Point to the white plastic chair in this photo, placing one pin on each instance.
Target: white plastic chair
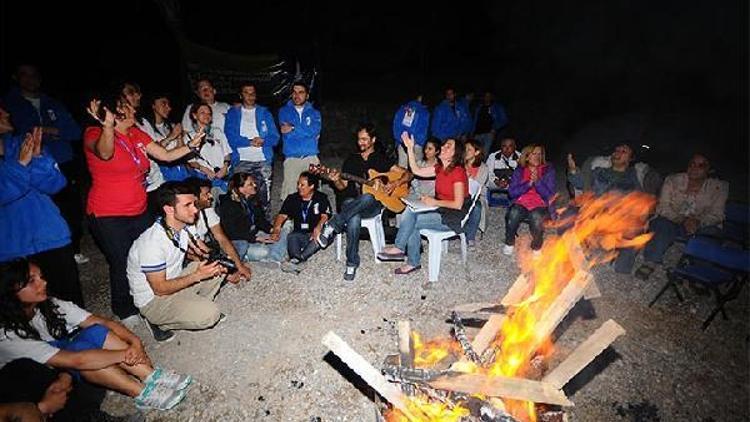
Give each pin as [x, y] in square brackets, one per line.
[374, 226]
[438, 239]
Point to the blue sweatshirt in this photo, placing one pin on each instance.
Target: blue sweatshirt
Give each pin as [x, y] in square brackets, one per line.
[499, 118]
[265, 125]
[29, 221]
[303, 140]
[449, 124]
[51, 113]
[416, 126]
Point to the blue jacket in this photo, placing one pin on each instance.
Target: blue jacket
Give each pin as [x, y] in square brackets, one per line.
[29, 221]
[266, 129]
[499, 118]
[419, 126]
[447, 124]
[53, 113]
[303, 140]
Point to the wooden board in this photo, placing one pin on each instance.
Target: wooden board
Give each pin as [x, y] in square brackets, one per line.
[370, 375]
[506, 387]
[584, 354]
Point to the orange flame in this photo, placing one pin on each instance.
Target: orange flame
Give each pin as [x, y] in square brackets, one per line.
[434, 411]
[600, 227]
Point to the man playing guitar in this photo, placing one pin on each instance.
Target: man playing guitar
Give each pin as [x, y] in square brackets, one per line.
[356, 205]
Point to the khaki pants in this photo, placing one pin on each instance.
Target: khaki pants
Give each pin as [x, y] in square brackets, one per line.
[192, 308]
[293, 167]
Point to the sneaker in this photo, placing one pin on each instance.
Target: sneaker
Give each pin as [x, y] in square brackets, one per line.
[158, 397]
[169, 379]
[81, 258]
[326, 235]
[536, 254]
[161, 336]
[290, 267]
[350, 273]
[131, 322]
[508, 250]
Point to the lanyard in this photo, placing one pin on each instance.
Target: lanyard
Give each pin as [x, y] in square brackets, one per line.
[133, 154]
[305, 210]
[250, 213]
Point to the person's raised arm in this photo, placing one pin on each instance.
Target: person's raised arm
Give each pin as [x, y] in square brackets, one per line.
[428, 171]
[104, 146]
[157, 151]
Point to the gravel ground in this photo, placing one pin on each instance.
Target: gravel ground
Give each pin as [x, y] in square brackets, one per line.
[266, 361]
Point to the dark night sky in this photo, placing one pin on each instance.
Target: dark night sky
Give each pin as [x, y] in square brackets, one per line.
[591, 59]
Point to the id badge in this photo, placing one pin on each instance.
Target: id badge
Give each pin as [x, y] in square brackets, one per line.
[408, 118]
[304, 226]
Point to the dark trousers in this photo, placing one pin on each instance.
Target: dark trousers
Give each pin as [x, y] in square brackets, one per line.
[665, 233]
[300, 246]
[115, 236]
[61, 272]
[25, 380]
[517, 214]
[69, 201]
[353, 210]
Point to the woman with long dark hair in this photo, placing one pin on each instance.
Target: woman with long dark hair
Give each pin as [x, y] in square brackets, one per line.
[59, 334]
[451, 199]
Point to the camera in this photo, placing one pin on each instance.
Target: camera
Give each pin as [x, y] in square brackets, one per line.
[217, 255]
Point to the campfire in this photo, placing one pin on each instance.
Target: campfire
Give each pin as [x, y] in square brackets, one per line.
[501, 374]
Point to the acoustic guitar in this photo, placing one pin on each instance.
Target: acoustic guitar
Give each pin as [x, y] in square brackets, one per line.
[392, 201]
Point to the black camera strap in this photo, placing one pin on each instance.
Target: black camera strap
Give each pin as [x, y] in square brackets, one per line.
[173, 237]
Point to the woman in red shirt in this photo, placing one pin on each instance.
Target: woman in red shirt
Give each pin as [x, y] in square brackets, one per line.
[451, 198]
[116, 207]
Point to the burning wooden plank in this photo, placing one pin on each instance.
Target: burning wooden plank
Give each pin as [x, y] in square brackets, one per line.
[370, 375]
[584, 354]
[505, 387]
[405, 344]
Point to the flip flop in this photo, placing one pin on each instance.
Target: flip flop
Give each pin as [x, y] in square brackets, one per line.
[399, 271]
[391, 257]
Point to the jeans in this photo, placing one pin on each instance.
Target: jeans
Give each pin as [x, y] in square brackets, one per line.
[472, 224]
[665, 232]
[263, 251]
[353, 210]
[300, 246]
[486, 140]
[115, 236]
[261, 172]
[408, 238]
[516, 214]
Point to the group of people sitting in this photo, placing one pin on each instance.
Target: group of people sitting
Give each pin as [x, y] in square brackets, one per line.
[180, 209]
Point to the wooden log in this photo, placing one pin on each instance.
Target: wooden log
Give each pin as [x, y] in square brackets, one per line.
[584, 354]
[405, 344]
[506, 387]
[370, 375]
[520, 289]
[592, 292]
[517, 292]
[479, 307]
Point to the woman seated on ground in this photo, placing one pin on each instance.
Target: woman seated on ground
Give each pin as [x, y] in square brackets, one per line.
[532, 188]
[62, 335]
[245, 223]
[478, 171]
[426, 185]
[451, 198]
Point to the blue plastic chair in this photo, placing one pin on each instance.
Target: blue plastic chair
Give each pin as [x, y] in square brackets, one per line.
[497, 197]
[736, 218]
[720, 269]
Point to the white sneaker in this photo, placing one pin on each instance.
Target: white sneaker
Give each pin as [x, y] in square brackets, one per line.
[159, 397]
[169, 379]
[508, 250]
[131, 322]
[536, 254]
[81, 258]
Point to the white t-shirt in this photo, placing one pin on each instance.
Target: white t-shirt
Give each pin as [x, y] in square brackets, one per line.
[13, 347]
[154, 178]
[200, 224]
[212, 155]
[218, 113]
[249, 129]
[153, 252]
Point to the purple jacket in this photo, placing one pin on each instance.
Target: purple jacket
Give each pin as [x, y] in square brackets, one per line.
[545, 187]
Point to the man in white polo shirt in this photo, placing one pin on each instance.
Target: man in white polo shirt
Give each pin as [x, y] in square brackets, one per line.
[168, 296]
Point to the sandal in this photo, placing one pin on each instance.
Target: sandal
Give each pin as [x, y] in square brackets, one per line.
[401, 271]
[391, 257]
[644, 272]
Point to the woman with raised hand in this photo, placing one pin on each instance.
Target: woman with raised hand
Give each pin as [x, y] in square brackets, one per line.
[59, 334]
[451, 199]
[116, 154]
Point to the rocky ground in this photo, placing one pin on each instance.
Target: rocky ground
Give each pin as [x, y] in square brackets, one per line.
[266, 361]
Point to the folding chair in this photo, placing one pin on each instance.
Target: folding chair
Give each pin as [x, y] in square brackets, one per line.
[438, 239]
[497, 197]
[736, 219]
[713, 266]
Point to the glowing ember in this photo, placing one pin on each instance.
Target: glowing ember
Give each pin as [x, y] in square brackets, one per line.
[601, 226]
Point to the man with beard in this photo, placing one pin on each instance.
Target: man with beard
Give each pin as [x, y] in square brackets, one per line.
[355, 205]
[167, 295]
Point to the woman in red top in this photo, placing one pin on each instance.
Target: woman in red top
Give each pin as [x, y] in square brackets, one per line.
[116, 208]
[451, 198]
